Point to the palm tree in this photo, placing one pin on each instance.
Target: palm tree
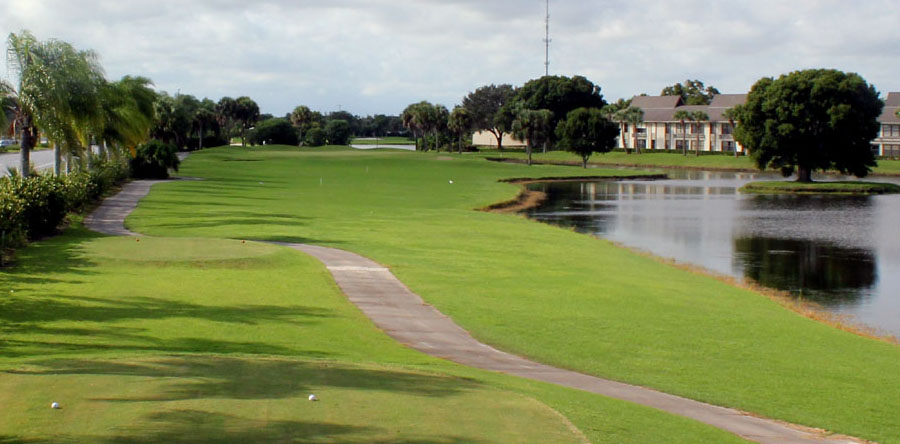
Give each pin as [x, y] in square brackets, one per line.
[129, 114]
[634, 116]
[683, 116]
[731, 115]
[301, 116]
[460, 122]
[532, 126]
[699, 117]
[40, 100]
[413, 118]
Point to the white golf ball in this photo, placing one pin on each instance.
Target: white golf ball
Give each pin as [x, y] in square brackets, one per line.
[451, 181]
[54, 405]
[313, 398]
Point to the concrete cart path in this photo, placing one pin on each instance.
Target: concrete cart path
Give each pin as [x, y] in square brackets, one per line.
[404, 316]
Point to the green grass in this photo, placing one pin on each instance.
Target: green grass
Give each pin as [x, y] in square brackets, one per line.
[392, 140]
[145, 340]
[540, 291]
[664, 160]
[820, 187]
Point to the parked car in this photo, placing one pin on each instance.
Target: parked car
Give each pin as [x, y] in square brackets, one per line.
[8, 142]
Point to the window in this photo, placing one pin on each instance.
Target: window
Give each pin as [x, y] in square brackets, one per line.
[641, 130]
[727, 128]
[679, 144]
[890, 130]
[728, 146]
[695, 128]
[642, 144]
[891, 151]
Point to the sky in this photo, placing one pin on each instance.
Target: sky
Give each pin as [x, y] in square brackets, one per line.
[378, 56]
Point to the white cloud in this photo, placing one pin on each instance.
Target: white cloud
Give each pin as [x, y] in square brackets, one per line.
[377, 56]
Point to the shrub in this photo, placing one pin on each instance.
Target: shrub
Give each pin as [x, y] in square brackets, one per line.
[12, 212]
[274, 131]
[153, 160]
[337, 132]
[44, 199]
[315, 137]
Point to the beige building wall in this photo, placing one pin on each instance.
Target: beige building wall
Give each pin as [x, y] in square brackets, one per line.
[485, 138]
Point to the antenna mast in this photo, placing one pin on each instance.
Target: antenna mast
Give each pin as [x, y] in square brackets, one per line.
[547, 41]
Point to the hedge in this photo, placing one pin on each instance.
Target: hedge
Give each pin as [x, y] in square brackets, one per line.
[34, 207]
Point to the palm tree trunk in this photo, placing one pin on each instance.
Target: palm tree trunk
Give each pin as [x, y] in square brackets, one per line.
[57, 159]
[528, 149]
[25, 148]
[200, 137]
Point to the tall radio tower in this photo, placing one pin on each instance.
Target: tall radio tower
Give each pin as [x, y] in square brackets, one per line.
[547, 41]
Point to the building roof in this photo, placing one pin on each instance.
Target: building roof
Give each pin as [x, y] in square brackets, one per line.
[893, 99]
[727, 100]
[663, 108]
[655, 102]
[891, 105]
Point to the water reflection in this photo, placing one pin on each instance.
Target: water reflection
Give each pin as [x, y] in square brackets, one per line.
[842, 251]
[817, 270]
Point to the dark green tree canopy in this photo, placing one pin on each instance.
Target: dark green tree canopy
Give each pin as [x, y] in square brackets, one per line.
[586, 131]
[274, 131]
[486, 108]
[559, 95]
[337, 131]
[812, 119]
[692, 92]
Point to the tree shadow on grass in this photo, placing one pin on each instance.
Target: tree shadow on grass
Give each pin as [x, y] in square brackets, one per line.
[204, 377]
[42, 261]
[51, 308]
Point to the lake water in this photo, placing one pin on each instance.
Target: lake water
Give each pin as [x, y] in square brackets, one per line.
[840, 251]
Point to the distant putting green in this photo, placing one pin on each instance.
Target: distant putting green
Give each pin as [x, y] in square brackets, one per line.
[787, 187]
[392, 140]
[544, 292]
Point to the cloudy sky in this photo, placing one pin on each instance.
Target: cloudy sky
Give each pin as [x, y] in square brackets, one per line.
[377, 56]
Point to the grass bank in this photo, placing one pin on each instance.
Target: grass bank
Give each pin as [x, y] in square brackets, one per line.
[177, 340]
[791, 187]
[537, 290]
[720, 162]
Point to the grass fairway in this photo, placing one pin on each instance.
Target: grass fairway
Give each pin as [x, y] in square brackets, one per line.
[779, 187]
[537, 290]
[392, 140]
[189, 340]
[888, 167]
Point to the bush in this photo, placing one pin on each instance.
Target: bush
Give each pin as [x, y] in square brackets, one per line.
[44, 199]
[274, 131]
[315, 137]
[337, 132]
[34, 207]
[153, 160]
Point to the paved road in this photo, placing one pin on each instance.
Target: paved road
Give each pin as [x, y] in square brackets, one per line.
[41, 160]
[404, 316]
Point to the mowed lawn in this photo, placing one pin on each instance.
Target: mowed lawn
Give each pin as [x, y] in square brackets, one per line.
[537, 290]
[663, 160]
[199, 340]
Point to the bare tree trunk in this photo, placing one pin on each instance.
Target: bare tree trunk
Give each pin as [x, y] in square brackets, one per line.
[200, 137]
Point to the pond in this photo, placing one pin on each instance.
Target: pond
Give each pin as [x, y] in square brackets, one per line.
[840, 251]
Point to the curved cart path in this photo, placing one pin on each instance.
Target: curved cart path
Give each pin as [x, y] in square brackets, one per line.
[404, 316]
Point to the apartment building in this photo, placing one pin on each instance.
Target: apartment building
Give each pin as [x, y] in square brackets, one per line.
[661, 131]
[887, 143]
